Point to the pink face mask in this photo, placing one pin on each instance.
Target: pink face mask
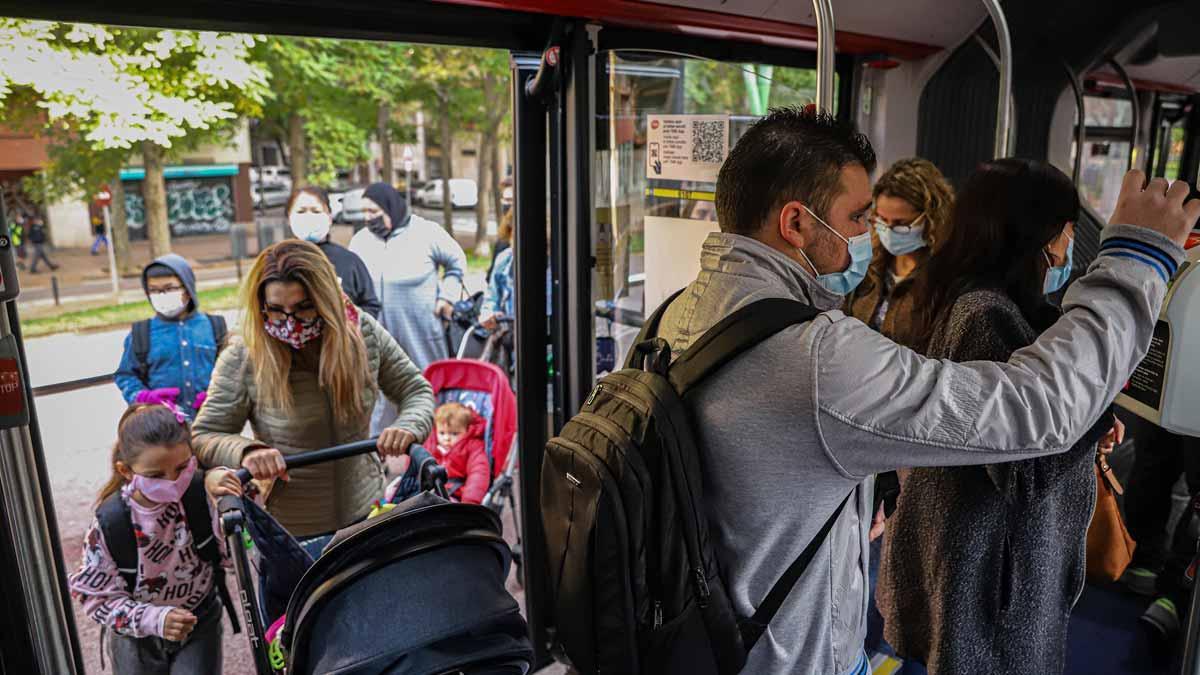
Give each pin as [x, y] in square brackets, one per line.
[162, 490]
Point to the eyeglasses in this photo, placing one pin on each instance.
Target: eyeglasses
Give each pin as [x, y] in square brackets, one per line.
[302, 315]
[877, 221]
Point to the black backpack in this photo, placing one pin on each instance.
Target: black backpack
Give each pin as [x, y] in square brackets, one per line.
[635, 583]
[140, 343]
[117, 527]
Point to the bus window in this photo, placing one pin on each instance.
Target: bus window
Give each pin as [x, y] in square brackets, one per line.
[649, 228]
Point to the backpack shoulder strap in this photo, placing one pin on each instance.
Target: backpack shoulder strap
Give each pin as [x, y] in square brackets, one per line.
[219, 330]
[199, 522]
[116, 524]
[753, 628]
[734, 335]
[140, 342]
[650, 327]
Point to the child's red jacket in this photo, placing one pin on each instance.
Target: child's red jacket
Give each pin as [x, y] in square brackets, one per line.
[467, 463]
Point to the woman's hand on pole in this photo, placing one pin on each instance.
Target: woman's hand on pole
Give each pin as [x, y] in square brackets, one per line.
[444, 309]
[394, 442]
[265, 464]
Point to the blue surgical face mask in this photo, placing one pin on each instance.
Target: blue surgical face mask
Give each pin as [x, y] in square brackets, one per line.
[900, 242]
[844, 282]
[1056, 277]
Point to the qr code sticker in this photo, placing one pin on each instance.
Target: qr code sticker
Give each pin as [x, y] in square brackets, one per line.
[708, 141]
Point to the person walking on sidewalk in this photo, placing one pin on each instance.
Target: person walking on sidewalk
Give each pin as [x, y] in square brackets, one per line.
[16, 232]
[37, 236]
[101, 237]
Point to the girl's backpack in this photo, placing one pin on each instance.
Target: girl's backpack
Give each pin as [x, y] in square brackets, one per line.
[116, 524]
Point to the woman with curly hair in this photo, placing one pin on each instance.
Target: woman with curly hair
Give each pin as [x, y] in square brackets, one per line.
[912, 208]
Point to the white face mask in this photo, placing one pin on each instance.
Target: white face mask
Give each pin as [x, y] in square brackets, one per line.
[312, 227]
[169, 305]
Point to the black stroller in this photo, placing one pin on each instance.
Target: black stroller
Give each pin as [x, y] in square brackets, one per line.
[418, 590]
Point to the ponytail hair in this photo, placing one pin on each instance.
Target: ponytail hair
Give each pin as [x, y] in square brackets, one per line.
[142, 426]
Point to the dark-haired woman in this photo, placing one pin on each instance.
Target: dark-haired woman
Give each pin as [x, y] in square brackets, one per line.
[310, 219]
[982, 565]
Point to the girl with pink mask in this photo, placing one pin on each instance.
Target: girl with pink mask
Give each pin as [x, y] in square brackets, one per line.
[162, 603]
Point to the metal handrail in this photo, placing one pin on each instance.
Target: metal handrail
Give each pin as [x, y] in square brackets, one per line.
[73, 385]
[1003, 105]
[1137, 113]
[1080, 128]
[823, 13]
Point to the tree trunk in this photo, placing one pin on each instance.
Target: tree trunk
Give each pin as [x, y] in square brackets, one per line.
[297, 151]
[447, 165]
[481, 205]
[154, 193]
[498, 169]
[120, 229]
[385, 143]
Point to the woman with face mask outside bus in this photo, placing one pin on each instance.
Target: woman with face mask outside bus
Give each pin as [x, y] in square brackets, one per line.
[306, 374]
[418, 272]
[310, 220]
[982, 565]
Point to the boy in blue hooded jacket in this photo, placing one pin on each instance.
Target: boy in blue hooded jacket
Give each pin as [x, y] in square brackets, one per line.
[169, 357]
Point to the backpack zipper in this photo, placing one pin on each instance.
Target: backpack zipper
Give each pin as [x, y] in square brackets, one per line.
[658, 614]
[701, 586]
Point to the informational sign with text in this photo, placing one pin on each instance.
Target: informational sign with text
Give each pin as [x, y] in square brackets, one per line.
[686, 147]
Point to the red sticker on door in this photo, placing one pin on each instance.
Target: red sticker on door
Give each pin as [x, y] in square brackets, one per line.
[12, 396]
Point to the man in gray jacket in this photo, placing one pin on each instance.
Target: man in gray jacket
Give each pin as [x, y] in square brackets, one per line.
[805, 418]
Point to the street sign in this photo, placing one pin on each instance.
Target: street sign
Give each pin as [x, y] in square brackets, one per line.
[104, 197]
[408, 153]
[408, 165]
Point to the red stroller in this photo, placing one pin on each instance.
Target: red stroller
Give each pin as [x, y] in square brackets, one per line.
[484, 387]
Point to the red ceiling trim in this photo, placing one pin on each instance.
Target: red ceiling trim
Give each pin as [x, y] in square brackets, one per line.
[636, 14]
[1141, 85]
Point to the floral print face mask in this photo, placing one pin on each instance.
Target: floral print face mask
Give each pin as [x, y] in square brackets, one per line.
[294, 332]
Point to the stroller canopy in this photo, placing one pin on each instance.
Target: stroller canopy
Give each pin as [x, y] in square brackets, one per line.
[419, 590]
[484, 388]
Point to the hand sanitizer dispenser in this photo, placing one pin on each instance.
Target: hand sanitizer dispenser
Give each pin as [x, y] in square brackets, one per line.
[1165, 387]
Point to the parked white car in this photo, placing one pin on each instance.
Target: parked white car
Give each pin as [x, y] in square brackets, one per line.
[464, 194]
[272, 195]
[347, 207]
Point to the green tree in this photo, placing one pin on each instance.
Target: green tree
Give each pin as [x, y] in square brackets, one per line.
[382, 74]
[445, 78]
[325, 124]
[116, 91]
[489, 75]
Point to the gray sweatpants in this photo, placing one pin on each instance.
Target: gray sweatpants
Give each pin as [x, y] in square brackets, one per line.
[200, 654]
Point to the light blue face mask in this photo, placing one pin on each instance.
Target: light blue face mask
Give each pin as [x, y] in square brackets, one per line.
[901, 243]
[1056, 277]
[844, 282]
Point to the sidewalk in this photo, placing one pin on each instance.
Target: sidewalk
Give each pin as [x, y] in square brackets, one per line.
[83, 277]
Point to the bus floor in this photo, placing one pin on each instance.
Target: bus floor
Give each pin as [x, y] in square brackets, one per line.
[1104, 638]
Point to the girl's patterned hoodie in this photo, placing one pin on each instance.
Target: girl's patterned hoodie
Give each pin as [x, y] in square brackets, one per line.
[170, 572]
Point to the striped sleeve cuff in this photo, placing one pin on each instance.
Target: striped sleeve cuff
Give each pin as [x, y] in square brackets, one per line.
[1139, 248]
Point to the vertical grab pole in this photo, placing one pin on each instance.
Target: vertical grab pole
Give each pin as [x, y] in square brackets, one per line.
[823, 13]
[1080, 128]
[1003, 105]
[1137, 109]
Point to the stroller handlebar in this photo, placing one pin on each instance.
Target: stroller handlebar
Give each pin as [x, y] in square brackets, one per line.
[320, 456]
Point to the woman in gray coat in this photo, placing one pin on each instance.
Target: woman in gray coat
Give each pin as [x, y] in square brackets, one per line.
[982, 565]
[417, 268]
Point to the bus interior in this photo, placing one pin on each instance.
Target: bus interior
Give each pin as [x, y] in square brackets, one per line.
[1094, 87]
